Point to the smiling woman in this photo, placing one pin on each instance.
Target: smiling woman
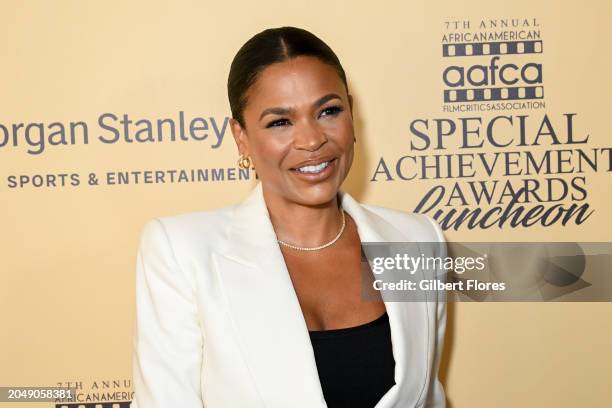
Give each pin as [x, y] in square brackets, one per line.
[259, 304]
[307, 120]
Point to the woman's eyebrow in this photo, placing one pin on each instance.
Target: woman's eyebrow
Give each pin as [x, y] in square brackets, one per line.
[285, 111]
[326, 98]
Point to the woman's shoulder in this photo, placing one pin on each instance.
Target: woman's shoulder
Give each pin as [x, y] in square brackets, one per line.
[200, 228]
[419, 224]
[209, 218]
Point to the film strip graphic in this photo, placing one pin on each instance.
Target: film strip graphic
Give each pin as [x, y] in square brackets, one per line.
[118, 404]
[493, 94]
[492, 48]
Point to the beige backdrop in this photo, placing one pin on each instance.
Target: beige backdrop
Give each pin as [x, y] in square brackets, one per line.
[68, 253]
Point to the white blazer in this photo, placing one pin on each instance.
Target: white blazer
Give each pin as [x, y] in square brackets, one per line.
[218, 323]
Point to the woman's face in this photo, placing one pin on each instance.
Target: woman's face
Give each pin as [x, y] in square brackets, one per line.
[298, 130]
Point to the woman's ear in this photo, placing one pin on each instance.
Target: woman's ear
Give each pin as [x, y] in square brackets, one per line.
[240, 137]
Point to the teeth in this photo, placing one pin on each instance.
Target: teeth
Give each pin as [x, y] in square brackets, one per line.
[313, 169]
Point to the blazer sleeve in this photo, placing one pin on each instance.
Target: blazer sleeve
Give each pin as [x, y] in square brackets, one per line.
[436, 397]
[167, 339]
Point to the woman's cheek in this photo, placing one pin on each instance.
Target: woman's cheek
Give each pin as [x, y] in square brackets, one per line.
[273, 151]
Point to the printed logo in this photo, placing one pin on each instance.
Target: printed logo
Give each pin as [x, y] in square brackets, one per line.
[499, 61]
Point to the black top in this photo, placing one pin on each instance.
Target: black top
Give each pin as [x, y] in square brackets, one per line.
[355, 364]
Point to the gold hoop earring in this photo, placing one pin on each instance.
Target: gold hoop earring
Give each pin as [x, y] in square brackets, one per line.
[244, 162]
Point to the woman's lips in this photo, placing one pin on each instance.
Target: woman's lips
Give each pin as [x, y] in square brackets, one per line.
[315, 172]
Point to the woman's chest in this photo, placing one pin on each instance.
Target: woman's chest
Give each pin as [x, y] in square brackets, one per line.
[330, 287]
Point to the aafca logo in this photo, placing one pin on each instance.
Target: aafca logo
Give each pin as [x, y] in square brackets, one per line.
[492, 71]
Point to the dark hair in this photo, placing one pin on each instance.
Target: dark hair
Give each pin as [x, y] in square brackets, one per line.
[266, 48]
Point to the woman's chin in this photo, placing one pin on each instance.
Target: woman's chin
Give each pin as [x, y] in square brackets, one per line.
[317, 195]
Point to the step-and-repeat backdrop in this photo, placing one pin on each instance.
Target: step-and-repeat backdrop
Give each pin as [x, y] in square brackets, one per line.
[491, 117]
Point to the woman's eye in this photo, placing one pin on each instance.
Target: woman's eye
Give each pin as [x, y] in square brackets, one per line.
[277, 123]
[332, 110]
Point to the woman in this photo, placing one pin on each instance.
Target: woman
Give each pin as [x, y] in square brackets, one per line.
[258, 304]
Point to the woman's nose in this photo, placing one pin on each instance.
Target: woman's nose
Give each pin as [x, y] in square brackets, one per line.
[309, 137]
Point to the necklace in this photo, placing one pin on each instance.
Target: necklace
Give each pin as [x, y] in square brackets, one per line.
[320, 246]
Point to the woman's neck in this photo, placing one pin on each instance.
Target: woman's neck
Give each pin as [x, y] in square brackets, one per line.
[304, 225]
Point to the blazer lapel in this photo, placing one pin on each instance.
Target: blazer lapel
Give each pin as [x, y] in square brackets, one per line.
[408, 320]
[269, 322]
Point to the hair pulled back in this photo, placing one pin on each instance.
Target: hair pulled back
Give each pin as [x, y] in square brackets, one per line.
[266, 48]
